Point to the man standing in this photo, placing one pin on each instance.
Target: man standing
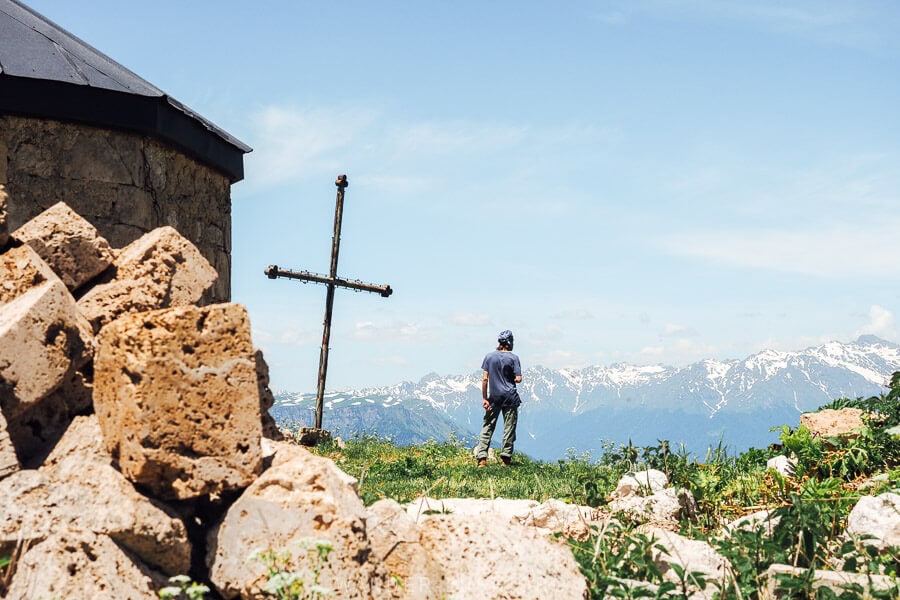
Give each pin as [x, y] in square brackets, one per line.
[501, 372]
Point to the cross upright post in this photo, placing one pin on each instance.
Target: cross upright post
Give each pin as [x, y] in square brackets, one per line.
[331, 281]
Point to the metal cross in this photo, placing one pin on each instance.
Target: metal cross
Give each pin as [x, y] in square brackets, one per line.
[332, 281]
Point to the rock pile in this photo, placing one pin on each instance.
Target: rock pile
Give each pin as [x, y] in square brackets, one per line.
[135, 444]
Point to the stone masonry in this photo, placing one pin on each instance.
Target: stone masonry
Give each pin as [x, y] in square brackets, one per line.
[123, 183]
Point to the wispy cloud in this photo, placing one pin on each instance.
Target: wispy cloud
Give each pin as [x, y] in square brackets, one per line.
[838, 251]
[294, 143]
[859, 25]
[575, 314]
[470, 319]
[393, 332]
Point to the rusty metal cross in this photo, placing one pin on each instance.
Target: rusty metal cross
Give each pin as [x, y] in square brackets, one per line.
[331, 281]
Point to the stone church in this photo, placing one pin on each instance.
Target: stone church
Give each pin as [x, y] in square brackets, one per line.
[78, 127]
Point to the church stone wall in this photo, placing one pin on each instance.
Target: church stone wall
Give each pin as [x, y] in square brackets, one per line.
[125, 184]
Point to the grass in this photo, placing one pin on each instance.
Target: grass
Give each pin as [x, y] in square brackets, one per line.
[448, 470]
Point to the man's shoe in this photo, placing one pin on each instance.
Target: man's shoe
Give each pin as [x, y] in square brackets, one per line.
[482, 462]
[505, 461]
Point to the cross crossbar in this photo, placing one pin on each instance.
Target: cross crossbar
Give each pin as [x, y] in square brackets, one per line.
[331, 281]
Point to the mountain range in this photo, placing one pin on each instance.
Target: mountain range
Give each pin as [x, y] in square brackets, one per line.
[579, 411]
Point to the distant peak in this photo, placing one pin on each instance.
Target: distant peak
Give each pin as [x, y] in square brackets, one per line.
[872, 340]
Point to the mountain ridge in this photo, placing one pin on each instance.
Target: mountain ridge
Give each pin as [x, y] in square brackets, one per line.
[689, 404]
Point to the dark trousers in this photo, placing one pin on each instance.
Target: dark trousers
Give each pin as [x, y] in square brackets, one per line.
[510, 417]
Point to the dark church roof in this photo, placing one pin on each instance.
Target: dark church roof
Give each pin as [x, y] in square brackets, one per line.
[45, 71]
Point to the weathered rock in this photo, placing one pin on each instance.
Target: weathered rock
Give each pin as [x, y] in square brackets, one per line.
[876, 520]
[764, 520]
[641, 483]
[68, 243]
[299, 497]
[43, 339]
[555, 516]
[83, 565]
[830, 423]
[784, 465]
[9, 461]
[663, 506]
[502, 509]
[837, 581]
[78, 489]
[177, 397]
[22, 270]
[699, 561]
[4, 217]
[160, 269]
[481, 556]
[395, 544]
[266, 399]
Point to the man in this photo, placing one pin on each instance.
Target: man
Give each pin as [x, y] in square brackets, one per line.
[501, 372]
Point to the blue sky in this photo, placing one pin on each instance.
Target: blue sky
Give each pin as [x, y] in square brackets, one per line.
[643, 181]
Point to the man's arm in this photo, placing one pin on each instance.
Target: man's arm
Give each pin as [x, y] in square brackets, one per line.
[484, 390]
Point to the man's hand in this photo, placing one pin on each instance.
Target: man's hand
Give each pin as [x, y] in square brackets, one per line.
[486, 404]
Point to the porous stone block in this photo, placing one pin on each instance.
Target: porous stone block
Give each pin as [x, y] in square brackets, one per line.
[299, 497]
[161, 269]
[81, 565]
[68, 243]
[266, 399]
[177, 395]
[78, 489]
[43, 338]
[830, 423]
[21, 270]
[4, 216]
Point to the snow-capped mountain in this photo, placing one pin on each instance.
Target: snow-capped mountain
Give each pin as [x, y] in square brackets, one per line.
[737, 401]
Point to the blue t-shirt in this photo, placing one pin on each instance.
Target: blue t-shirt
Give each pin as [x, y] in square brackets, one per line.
[502, 369]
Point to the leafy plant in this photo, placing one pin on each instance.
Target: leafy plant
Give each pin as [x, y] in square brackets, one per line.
[183, 587]
[288, 580]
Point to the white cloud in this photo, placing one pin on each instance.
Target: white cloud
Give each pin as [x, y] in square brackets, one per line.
[881, 323]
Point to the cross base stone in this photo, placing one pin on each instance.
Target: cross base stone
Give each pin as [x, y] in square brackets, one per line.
[311, 436]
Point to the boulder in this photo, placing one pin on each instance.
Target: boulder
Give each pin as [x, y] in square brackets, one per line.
[764, 520]
[43, 340]
[177, 396]
[502, 509]
[395, 544]
[22, 270]
[77, 489]
[301, 498]
[552, 516]
[4, 217]
[84, 564]
[830, 423]
[838, 582]
[663, 506]
[555, 516]
[68, 243]
[641, 483]
[699, 561]
[782, 464]
[160, 269]
[481, 556]
[876, 520]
